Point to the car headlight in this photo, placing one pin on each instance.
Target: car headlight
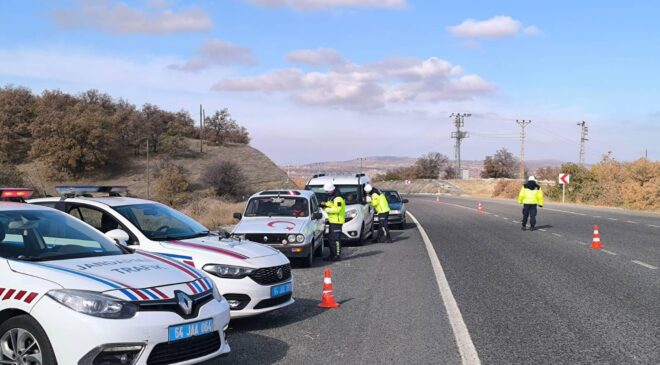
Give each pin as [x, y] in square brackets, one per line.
[240, 237]
[300, 238]
[227, 271]
[351, 213]
[94, 304]
[291, 238]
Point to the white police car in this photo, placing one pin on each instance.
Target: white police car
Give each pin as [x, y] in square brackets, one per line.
[288, 220]
[254, 278]
[70, 295]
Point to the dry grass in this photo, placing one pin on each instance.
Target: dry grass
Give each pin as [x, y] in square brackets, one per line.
[482, 187]
[507, 189]
[213, 213]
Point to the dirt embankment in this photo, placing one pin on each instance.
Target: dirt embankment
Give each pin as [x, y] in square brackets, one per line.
[260, 171]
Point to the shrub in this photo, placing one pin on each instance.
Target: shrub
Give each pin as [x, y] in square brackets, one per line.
[10, 176]
[507, 189]
[226, 178]
[171, 187]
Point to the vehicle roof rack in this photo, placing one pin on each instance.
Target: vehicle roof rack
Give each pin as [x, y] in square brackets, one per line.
[15, 194]
[71, 191]
[280, 192]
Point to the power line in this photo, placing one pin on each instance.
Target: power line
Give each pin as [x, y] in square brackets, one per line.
[522, 123]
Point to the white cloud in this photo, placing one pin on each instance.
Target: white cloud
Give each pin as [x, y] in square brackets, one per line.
[324, 4]
[217, 52]
[496, 27]
[371, 86]
[317, 57]
[120, 18]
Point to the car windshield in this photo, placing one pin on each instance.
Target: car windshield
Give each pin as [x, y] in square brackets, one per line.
[350, 193]
[392, 196]
[277, 206]
[160, 223]
[39, 235]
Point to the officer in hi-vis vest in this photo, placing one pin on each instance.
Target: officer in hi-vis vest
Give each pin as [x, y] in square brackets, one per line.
[335, 207]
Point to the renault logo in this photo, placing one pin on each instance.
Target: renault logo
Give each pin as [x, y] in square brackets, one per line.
[185, 302]
[280, 273]
[265, 238]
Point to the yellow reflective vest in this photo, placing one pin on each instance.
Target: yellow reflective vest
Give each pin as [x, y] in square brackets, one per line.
[336, 210]
[529, 196]
[379, 202]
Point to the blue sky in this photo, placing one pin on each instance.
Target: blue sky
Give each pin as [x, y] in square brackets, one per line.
[321, 80]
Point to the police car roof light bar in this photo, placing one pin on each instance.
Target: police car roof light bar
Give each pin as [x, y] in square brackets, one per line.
[79, 190]
[22, 193]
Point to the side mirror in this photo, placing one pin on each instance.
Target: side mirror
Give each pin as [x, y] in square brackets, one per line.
[238, 216]
[118, 235]
[405, 201]
[316, 216]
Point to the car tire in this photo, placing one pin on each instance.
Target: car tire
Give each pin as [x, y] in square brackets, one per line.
[362, 239]
[31, 332]
[318, 251]
[309, 260]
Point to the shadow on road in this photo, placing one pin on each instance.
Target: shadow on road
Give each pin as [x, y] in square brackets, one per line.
[299, 311]
[362, 254]
[253, 349]
[543, 227]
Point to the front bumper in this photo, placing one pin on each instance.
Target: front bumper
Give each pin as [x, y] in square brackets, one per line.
[253, 298]
[351, 230]
[74, 335]
[392, 219]
[294, 250]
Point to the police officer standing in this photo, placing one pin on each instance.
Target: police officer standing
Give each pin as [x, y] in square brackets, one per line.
[530, 197]
[382, 207]
[335, 207]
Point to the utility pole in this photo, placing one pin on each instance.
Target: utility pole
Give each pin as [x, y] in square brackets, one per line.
[361, 160]
[203, 122]
[148, 169]
[201, 129]
[522, 123]
[459, 135]
[584, 132]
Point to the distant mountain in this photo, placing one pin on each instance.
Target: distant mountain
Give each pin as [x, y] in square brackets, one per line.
[374, 165]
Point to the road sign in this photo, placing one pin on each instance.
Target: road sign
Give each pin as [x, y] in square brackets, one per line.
[564, 179]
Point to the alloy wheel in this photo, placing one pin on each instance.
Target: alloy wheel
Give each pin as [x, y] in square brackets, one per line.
[19, 347]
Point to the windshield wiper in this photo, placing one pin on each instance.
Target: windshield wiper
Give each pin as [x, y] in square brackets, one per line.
[31, 258]
[169, 238]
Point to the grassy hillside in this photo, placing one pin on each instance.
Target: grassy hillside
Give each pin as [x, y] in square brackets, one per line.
[260, 171]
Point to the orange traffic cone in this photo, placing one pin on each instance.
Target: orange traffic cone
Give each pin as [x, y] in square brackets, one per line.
[595, 244]
[437, 198]
[328, 298]
[480, 208]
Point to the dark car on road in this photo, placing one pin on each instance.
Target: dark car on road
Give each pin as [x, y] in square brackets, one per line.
[397, 208]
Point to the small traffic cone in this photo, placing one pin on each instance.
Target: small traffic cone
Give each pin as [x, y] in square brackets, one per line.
[480, 208]
[328, 298]
[595, 244]
[437, 198]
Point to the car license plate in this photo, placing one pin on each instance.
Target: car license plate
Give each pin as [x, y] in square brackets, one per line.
[327, 229]
[279, 290]
[188, 330]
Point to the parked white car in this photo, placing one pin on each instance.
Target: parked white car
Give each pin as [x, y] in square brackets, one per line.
[71, 295]
[254, 278]
[359, 213]
[288, 220]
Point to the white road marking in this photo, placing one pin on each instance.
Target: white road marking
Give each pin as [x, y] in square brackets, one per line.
[542, 229]
[564, 211]
[557, 234]
[631, 222]
[505, 218]
[609, 252]
[613, 219]
[653, 225]
[582, 243]
[645, 265]
[464, 342]
[496, 215]
[515, 221]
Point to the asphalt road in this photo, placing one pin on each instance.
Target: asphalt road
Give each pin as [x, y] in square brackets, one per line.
[390, 313]
[545, 297]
